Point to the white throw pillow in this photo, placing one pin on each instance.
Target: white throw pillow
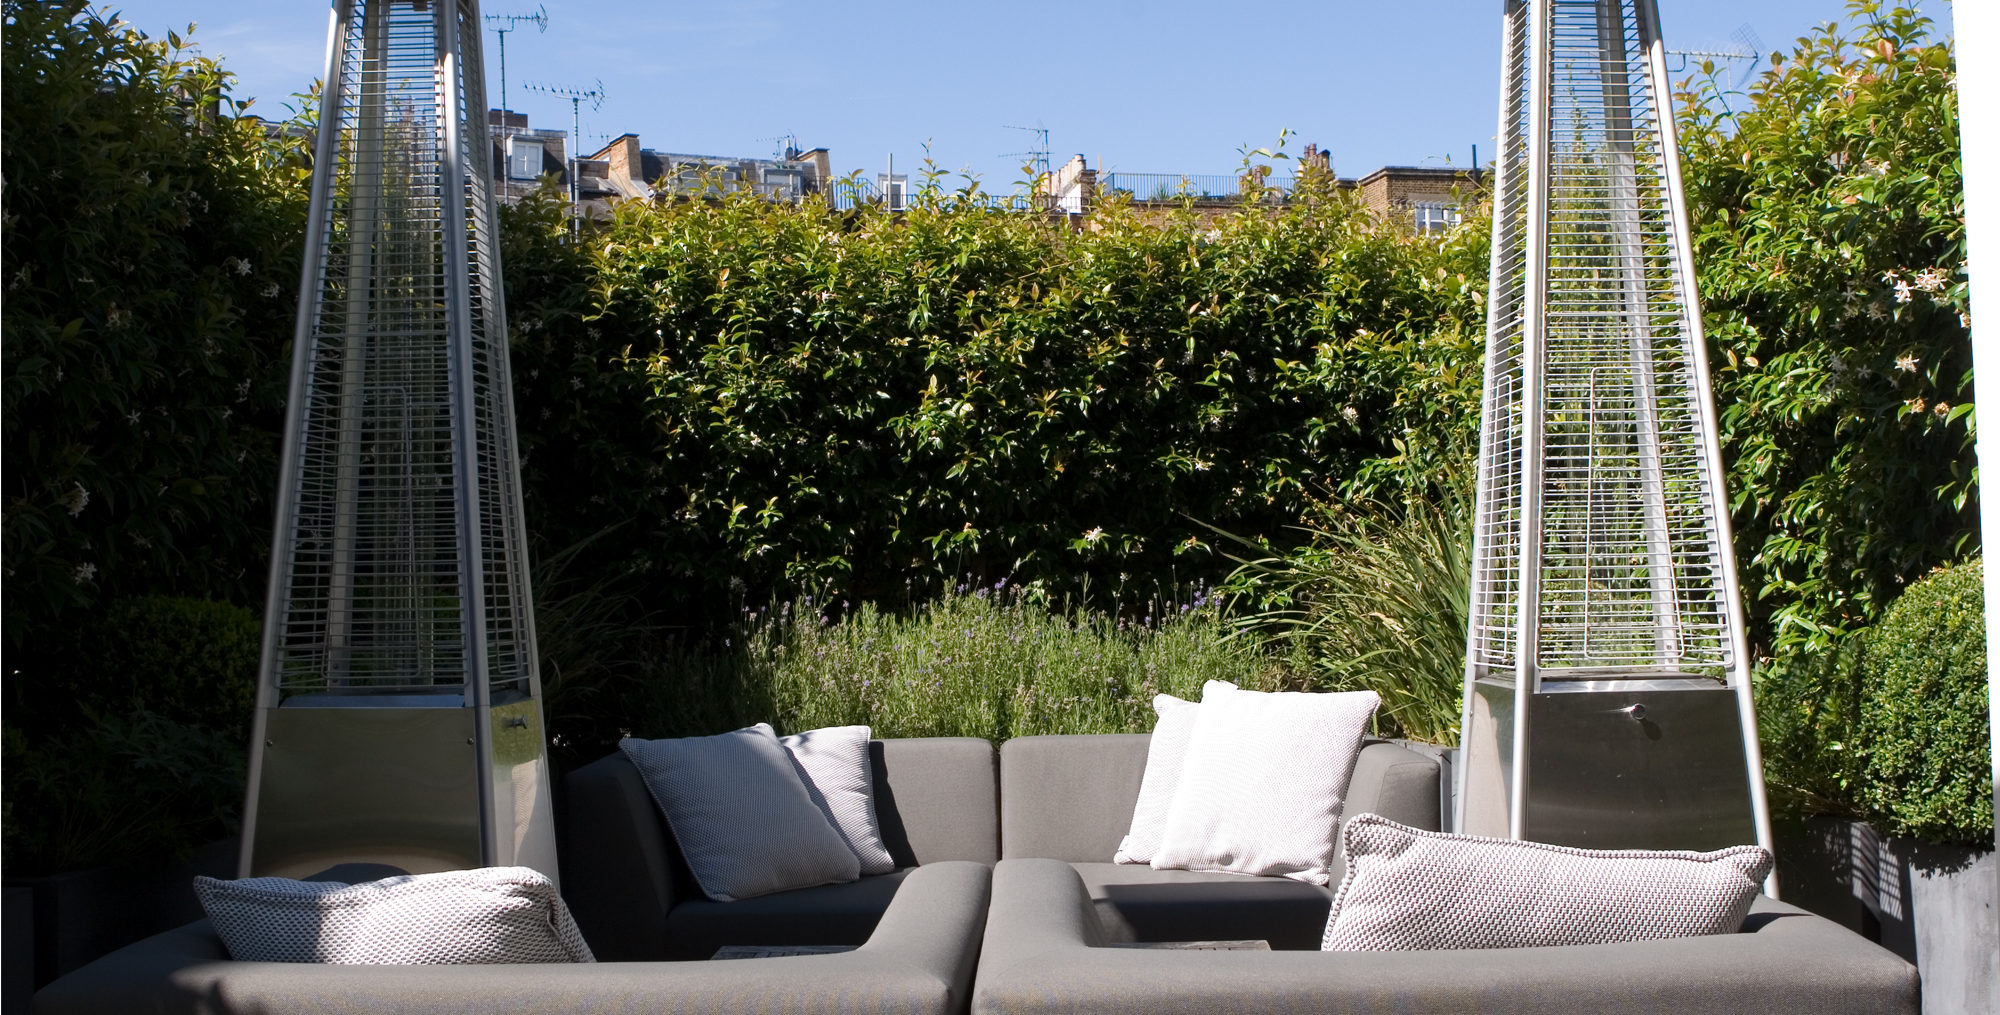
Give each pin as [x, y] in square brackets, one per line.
[1408, 889]
[1164, 755]
[1261, 787]
[494, 914]
[841, 781]
[741, 813]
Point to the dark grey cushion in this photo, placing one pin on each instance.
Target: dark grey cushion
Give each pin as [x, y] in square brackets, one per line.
[843, 914]
[1040, 955]
[1138, 903]
[920, 960]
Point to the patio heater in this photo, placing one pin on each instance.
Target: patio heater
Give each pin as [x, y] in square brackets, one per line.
[1607, 691]
[398, 717]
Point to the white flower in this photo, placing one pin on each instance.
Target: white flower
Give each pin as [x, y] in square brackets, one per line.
[1964, 321]
[237, 265]
[1930, 280]
[76, 500]
[270, 290]
[83, 573]
[1350, 414]
[1902, 291]
[1906, 363]
[1875, 312]
[1093, 535]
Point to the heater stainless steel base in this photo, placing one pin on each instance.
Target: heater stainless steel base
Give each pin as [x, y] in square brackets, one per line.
[1638, 769]
[1631, 764]
[405, 790]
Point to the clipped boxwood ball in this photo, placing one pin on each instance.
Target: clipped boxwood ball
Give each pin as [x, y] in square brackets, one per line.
[1924, 730]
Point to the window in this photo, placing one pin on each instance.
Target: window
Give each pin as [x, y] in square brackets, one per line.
[524, 158]
[1435, 216]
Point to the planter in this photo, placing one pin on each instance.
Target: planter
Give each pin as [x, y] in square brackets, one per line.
[59, 922]
[1935, 906]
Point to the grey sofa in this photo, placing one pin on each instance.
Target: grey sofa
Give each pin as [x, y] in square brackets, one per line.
[1027, 837]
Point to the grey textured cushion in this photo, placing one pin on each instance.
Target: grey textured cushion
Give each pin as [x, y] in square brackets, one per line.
[494, 914]
[834, 765]
[1163, 776]
[1261, 788]
[741, 813]
[1409, 890]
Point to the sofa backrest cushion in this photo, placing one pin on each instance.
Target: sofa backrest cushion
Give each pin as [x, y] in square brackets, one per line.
[937, 799]
[1071, 797]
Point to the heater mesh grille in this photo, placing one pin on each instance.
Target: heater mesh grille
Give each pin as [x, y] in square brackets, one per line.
[395, 548]
[1629, 577]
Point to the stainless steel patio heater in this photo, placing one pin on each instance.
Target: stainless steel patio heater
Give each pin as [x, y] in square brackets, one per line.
[1607, 694]
[398, 716]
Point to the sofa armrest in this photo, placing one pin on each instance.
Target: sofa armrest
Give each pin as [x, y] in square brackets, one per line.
[1039, 956]
[618, 861]
[1398, 784]
[920, 960]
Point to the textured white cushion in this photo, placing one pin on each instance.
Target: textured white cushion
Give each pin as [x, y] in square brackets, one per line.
[1164, 754]
[1261, 787]
[495, 914]
[741, 813]
[1407, 889]
[834, 764]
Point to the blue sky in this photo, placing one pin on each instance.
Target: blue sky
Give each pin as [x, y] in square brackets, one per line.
[1136, 86]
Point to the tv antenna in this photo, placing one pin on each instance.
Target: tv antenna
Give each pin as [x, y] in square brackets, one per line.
[577, 97]
[788, 143]
[1745, 48]
[1039, 155]
[540, 19]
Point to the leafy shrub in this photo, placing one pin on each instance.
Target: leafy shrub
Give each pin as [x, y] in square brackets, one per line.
[994, 662]
[188, 660]
[1830, 234]
[152, 243]
[1807, 699]
[1922, 731]
[137, 743]
[121, 786]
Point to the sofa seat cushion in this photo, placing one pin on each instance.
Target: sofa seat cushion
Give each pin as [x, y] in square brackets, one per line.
[1142, 904]
[842, 914]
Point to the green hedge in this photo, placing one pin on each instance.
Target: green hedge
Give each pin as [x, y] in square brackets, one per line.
[777, 397]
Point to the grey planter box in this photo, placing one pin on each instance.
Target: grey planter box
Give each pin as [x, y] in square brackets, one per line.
[1936, 906]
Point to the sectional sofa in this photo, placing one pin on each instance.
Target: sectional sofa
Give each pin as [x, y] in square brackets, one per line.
[1005, 900]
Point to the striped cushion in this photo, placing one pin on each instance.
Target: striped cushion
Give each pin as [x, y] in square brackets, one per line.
[1164, 754]
[494, 914]
[1407, 889]
[1261, 788]
[834, 764]
[741, 814]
